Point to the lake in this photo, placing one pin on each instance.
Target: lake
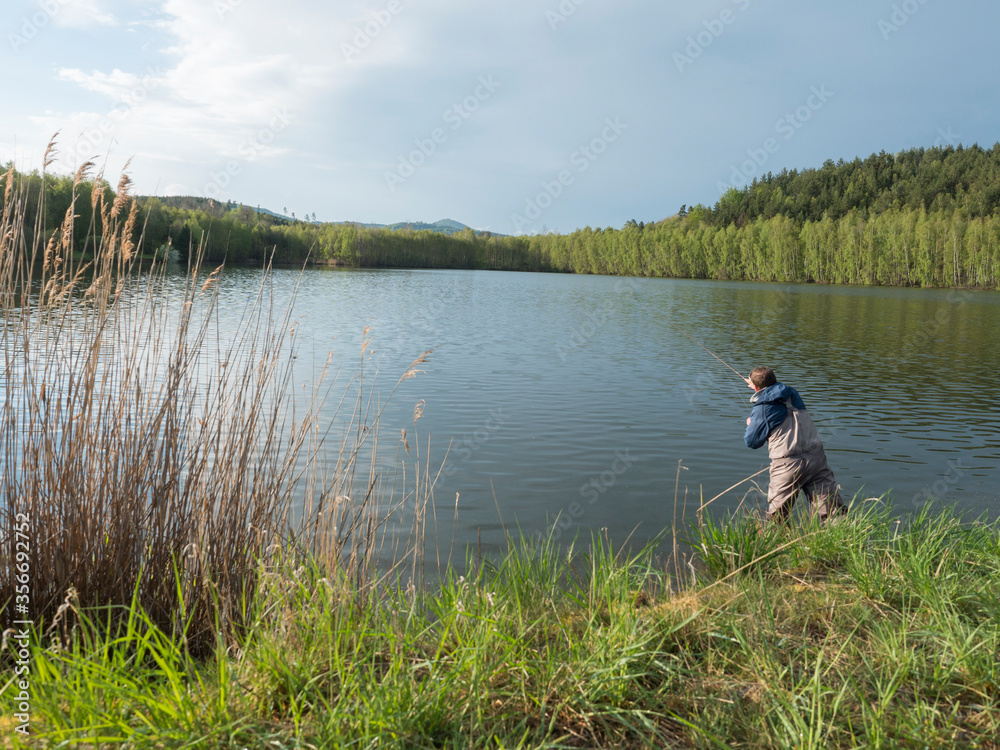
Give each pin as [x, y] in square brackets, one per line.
[579, 397]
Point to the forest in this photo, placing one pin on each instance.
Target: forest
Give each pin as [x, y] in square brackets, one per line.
[922, 217]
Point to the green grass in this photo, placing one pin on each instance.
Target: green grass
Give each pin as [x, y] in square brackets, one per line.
[868, 633]
[166, 620]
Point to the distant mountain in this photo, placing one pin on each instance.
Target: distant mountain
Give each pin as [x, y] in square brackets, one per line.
[275, 214]
[214, 207]
[208, 205]
[445, 226]
[450, 223]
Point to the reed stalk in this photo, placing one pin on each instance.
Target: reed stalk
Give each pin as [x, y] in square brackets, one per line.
[155, 463]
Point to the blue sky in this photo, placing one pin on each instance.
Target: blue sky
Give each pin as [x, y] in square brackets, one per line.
[516, 116]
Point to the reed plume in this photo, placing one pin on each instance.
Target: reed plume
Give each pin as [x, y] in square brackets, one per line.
[151, 461]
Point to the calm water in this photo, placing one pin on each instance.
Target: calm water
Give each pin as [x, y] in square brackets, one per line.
[578, 397]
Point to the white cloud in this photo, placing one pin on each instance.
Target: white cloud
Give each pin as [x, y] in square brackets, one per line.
[82, 14]
[236, 78]
[116, 85]
[234, 85]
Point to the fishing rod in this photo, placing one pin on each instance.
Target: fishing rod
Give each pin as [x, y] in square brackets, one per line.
[677, 327]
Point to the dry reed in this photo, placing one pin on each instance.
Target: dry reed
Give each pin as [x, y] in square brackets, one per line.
[155, 465]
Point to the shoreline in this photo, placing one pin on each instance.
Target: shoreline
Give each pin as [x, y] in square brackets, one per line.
[338, 263]
[864, 630]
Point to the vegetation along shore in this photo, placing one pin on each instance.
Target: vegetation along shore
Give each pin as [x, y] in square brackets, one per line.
[872, 633]
[189, 558]
[923, 217]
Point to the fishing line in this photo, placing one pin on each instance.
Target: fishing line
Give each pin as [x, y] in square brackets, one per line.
[681, 330]
[674, 325]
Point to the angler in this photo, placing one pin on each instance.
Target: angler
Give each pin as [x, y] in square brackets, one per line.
[798, 461]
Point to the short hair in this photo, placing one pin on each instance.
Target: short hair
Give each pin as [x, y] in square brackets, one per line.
[762, 377]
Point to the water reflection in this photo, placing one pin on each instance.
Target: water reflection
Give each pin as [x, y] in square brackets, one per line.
[540, 384]
[899, 381]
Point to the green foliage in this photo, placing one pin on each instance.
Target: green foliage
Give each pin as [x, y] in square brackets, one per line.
[737, 544]
[946, 179]
[924, 217]
[549, 647]
[898, 248]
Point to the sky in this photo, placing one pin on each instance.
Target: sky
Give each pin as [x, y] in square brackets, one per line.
[516, 117]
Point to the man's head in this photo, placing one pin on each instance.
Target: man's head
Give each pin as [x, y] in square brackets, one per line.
[762, 377]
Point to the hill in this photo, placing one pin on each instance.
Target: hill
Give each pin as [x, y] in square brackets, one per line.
[923, 217]
[945, 179]
[444, 226]
[218, 208]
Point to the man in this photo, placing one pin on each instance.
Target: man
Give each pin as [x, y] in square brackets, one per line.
[798, 461]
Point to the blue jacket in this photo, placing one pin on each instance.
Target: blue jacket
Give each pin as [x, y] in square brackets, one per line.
[769, 411]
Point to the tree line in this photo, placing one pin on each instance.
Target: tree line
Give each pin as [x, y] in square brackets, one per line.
[924, 217]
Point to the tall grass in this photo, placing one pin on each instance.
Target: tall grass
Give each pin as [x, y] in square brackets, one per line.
[156, 464]
[203, 565]
[553, 647]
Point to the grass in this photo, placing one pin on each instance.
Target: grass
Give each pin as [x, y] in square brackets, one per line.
[181, 601]
[867, 633]
[144, 459]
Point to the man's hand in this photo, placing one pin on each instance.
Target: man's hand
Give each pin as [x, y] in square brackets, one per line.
[748, 421]
[749, 383]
